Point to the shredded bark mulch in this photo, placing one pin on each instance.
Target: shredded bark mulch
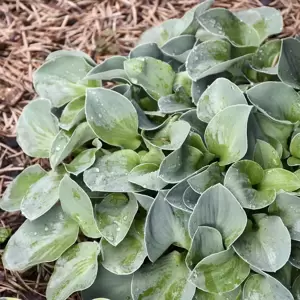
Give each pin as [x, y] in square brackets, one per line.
[30, 30]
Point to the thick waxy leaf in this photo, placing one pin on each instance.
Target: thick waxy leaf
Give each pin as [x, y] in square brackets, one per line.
[110, 172]
[110, 286]
[144, 200]
[129, 255]
[41, 196]
[296, 288]
[73, 113]
[294, 160]
[279, 179]
[265, 288]
[112, 117]
[65, 143]
[76, 203]
[215, 208]
[209, 177]
[265, 59]
[287, 207]
[206, 241]
[190, 198]
[170, 137]
[111, 69]
[288, 70]
[5, 233]
[241, 178]
[39, 241]
[233, 295]
[37, 128]
[266, 155]
[225, 24]
[60, 79]
[114, 215]
[220, 94]
[182, 80]
[165, 225]
[146, 175]
[265, 244]
[295, 254]
[220, 272]
[14, 193]
[75, 270]
[272, 105]
[196, 125]
[147, 49]
[155, 76]
[226, 134]
[166, 278]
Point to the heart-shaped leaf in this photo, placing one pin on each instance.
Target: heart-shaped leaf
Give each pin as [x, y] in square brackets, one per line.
[14, 193]
[129, 255]
[265, 244]
[167, 276]
[112, 117]
[215, 208]
[60, 53]
[110, 172]
[219, 95]
[75, 270]
[155, 76]
[39, 241]
[165, 225]
[76, 203]
[241, 179]
[226, 133]
[147, 49]
[37, 128]
[144, 200]
[114, 215]
[220, 272]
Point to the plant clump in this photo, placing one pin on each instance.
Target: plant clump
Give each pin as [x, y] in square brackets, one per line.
[183, 176]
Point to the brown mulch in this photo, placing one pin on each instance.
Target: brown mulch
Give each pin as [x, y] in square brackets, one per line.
[30, 30]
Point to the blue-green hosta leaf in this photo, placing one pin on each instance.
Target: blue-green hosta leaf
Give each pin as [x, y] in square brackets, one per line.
[265, 59]
[165, 279]
[60, 79]
[261, 287]
[14, 193]
[223, 23]
[110, 172]
[76, 203]
[295, 254]
[5, 233]
[279, 179]
[155, 76]
[179, 101]
[204, 180]
[190, 198]
[265, 244]
[73, 113]
[114, 215]
[233, 295]
[267, 97]
[146, 175]
[144, 200]
[112, 117]
[288, 67]
[60, 53]
[241, 179]
[75, 270]
[170, 136]
[39, 241]
[37, 128]
[65, 143]
[220, 272]
[294, 160]
[197, 126]
[153, 156]
[205, 241]
[215, 208]
[219, 95]
[165, 226]
[266, 155]
[183, 80]
[41, 196]
[111, 69]
[110, 286]
[266, 21]
[129, 255]
[287, 207]
[147, 49]
[226, 133]
[296, 288]
[179, 47]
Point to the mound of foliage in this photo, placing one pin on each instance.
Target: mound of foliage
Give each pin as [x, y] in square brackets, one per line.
[181, 180]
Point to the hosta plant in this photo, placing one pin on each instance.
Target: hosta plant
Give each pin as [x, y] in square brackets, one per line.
[178, 181]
